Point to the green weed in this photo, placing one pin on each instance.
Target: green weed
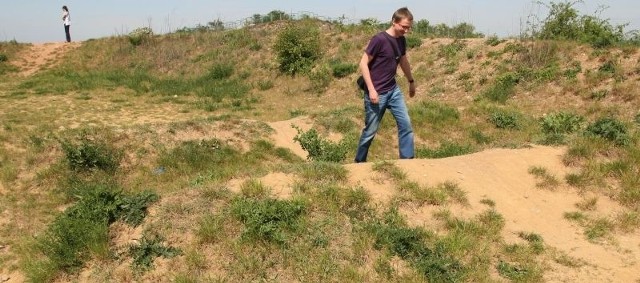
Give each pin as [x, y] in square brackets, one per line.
[88, 151]
[391, 169]
[410, 244]
[446, 149]
[610, 129]
[82, 230]
[268, 220]
[147, 249]
[320, 149]
[505, 120]
[546, 180]
[556, 125]
[341, 69]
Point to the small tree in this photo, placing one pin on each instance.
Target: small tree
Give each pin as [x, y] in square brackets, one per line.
[565, 23]
[298, 48]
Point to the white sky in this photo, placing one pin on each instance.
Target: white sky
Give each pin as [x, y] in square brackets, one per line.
[40, 21]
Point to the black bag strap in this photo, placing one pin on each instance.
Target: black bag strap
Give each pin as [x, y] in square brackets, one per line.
[395, 47]
[396, 50]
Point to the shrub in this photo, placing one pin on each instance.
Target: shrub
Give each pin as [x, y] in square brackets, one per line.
[515, 272]
[149, 248]
[3, 57]
[220, 71]
[556, 125]
[297, 48]
[265, 84]
[87, 153]
[275, 15]
[139, 35]
[410, 244]
[320, 149]
[565, 23]
[608, 67]
[239, 38]
[561, 123]
[439, 114]
[503, 87]
[82, 230]
[413, 42]
[493, 40]
[504, 120]
[341, 70]
[610, 129]
[268, 219]
[320, 79]
[201, 155]
[451, 50]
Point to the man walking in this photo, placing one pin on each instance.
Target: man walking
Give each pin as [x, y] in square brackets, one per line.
[385, 51]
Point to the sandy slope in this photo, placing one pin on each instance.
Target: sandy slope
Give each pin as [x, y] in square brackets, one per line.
[41, 56]
[501, 175]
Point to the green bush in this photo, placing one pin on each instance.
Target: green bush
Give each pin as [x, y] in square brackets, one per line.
[503, 88]
[82, 230]
[265, 84]
[341, 70]
[140, 35]
[608, 67]
[556, 125]
[410, 244]
[87, 152]
[449, 51]
[463, 30]
[320, 149]
[493, 40]
[573, 71]
[236, 39]
[297, 48]
[220, 71]
[610, 129]
[199, 156]
[147, 249]
[504, 120]
[268, 219]
[3, 58]
[436, 113]
[320, 79]
[413, 42]
[275, 15]
[565, 23]
[561, 123]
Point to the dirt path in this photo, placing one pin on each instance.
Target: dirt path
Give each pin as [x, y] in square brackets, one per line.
[42, 56]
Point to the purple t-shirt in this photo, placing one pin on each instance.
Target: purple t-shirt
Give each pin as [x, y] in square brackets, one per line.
[383, 66]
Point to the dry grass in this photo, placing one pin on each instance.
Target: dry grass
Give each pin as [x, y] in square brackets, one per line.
[147, 121]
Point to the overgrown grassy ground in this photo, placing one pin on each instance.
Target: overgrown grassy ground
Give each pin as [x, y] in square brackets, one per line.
[153, 130]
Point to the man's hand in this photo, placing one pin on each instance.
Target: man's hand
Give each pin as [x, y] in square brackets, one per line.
[412, 89]
[373, 97]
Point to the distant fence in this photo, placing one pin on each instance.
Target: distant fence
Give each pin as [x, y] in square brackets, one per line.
[461, 30]
[287, 16]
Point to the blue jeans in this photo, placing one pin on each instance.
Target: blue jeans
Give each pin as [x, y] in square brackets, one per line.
[394, 101]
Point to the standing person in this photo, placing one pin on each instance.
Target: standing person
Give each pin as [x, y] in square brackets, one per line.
[66, 20]
[385, 51]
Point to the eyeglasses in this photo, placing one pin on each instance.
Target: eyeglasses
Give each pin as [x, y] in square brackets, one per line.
[405, 27]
